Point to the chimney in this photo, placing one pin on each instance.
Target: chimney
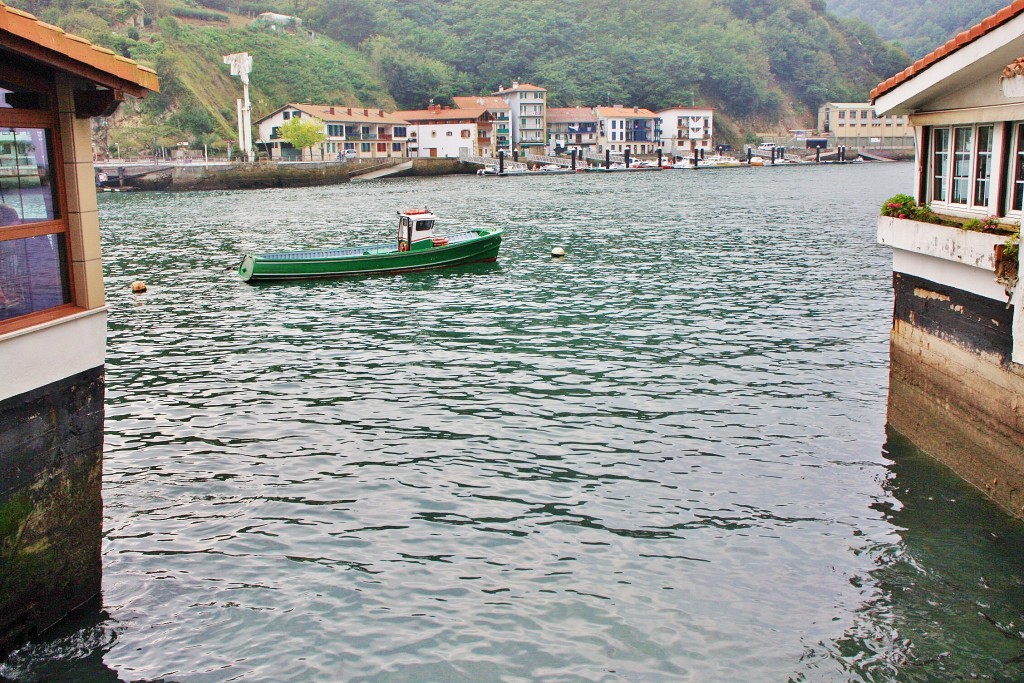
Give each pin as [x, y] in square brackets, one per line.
[501, 88]
[515, 84]
[350, 111]
[366, 112]
[380, 112]
[332, 110]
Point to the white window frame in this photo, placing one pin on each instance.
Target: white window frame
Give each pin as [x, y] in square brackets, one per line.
[968, 208]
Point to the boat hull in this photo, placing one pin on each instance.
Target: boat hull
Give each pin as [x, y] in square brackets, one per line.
[471, 247]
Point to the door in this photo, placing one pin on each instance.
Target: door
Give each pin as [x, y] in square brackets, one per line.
[433, 152]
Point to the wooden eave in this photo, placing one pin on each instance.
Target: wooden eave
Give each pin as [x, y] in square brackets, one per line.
[23, 33]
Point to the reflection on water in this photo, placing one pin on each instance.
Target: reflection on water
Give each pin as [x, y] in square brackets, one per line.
[661, 459]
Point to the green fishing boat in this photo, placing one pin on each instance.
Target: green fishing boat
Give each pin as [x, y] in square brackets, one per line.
[417, 248]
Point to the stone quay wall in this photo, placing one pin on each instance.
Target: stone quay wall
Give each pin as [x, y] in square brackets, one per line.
[51, 508]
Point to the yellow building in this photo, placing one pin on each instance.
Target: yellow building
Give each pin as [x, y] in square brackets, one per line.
[855, 124]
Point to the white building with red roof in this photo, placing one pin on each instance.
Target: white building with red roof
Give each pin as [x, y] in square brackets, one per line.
[446, 132]
[627, 128]
[351, 132]
[572, 128]
[501, 132]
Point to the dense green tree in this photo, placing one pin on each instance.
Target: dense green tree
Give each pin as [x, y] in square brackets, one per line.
[302, 133]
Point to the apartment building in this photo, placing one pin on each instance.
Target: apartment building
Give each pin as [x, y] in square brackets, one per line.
[443, 132]
[685, 130]
[619, 128]
[856, 124]
[528, 105]
[572, 128]
[501, 126]
[352, 132]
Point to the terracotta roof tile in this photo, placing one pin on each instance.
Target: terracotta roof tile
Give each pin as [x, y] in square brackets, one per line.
[960, 40]
[26, 27]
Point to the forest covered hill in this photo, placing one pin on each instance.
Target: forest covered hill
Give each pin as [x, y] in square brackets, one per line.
[764, 65]
[919, 26]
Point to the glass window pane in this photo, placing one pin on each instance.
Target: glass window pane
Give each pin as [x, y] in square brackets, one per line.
[983, 166]
[1018, 181]
[26, 176]
[940, 161]
[961, 164]
[32, 275]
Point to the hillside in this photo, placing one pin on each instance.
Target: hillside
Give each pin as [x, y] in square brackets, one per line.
[919, 26]
[764, 65]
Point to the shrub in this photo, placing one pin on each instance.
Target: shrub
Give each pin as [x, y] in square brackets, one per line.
[904, 206]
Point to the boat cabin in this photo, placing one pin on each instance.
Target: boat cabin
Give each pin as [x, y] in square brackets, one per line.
[416, 230]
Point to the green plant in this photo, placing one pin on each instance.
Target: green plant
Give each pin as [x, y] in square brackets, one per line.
[1012, 248]
[905, 206]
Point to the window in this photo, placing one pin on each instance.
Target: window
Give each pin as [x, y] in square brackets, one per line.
[1018, 167]
[364, 146]
[467, 133]
[399, 131]
[350, 145]
[448, 134]
[424, 225]
[961, 164]
[983, 166]
[842, 114]
[864, 114]
[287, 115]
[940, 161]
[335, 130]
[382, 147]
[396, 146]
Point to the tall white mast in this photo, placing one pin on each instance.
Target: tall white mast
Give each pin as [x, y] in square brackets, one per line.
[241, 65]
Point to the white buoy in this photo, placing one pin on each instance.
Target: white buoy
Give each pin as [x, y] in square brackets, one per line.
[558, 252]
[138, 287]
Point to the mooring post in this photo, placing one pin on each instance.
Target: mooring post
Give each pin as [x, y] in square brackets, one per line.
[626, 157]
[659, 157]
[607, 158]
[817, 155]
[501, 161]
[574, 160]
[750, 154]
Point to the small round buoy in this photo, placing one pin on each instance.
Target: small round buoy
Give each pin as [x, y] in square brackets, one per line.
[138, 286]
[558, 252]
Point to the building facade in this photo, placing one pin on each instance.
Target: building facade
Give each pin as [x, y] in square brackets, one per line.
[572, 128]
[441, 132]
[528, 109]
[857, 124]
[621, 128]
[501, 126]
[685, 130]
[957, 341]
[52, 318]
[351, 132]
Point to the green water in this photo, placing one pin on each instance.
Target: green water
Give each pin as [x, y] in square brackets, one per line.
[663, 458]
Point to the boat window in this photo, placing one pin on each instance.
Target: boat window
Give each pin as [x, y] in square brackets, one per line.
[424, 225]
[405, 221]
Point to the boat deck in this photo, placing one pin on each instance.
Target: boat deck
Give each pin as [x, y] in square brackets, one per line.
[370, 250]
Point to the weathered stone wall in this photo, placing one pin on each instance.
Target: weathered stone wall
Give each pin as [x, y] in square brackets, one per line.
[51, 509]
[953, 390]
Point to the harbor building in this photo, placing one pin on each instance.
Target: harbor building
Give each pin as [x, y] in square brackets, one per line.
[528, 105]
[620, 128]
[957, 340]
[858, 125]
[572, 128]
[443, 132]
[501, 128]
[351, 132]
[685, 130]
[53, 319]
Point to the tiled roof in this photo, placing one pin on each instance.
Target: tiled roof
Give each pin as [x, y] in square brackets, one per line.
[470, 113]
[570, 114]
[353, 114]
[625, 112]
[75, 48]
[962, 39]
[522, 86]
[488, 101]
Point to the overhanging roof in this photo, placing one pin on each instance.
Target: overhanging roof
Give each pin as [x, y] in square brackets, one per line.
[23, 33]
[988, 46]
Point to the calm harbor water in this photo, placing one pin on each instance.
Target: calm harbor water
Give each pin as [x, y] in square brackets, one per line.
[664, 458]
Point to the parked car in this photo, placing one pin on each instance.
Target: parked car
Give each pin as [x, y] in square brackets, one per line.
[346, 155]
